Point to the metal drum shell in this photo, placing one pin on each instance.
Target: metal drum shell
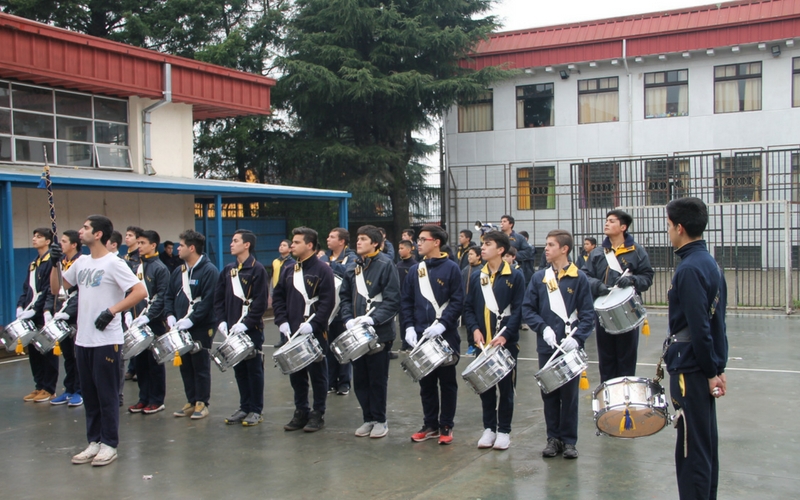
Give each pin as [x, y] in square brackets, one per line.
[620, 311]
[165, 346]
[643, 398]
[234, 350]
[55, 331]
[22, 330]
[354, 343]
[563, 369]
[297, 354]
[489, 368]
[135, 340]
[427, 357]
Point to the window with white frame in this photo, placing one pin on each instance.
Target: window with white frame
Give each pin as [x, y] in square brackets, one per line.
[476, 115]
[535, 105]
[75, 129]
[737, 87]
[666, 94]
[598, 100]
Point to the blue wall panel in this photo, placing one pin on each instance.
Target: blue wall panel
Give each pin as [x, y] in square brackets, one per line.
[269, 234]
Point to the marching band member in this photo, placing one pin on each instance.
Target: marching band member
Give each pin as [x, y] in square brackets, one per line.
[305, 291]
[191, 298]
[494, 303]
[404, 264]
[474, 264]
[525, 252]
[281, 262]
[71, 248]
[370, 294]
[133, 259]
[240, 301]
[341, 258]
[103, 280]
[617, 353]
[697, 349]
[36, 303]
[431, 305]
[558, 300]
[151, 375]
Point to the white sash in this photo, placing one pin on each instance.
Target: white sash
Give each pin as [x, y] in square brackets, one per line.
[361, 287]
[337, 284]
[32, 284]
[556, 299]
[491, 301]
[427, 291]
[148, 300]
[300, 286]
[613, 263]
[187, 291]
[236, 286]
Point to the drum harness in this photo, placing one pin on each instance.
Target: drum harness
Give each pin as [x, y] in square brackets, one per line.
[187, 291]
[238, 292]
[491, 304]
[148, 300]
[427, 291]
[300, 286]
[558, 307]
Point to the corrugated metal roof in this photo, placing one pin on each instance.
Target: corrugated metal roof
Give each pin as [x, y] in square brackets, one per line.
[693, 28]
[46, 55]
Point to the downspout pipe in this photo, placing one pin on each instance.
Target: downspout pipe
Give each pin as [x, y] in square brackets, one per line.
[146, 112]
[630, 95]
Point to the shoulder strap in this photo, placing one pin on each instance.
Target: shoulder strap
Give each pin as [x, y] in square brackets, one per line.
[427, 291]
[611, 259]
[300, 286]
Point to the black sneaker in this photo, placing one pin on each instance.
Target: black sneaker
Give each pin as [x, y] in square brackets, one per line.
[299, 420]
[570, 451]
[236, 418]
[331, 390]
[553, 448]
[343, 390]
[315, 422]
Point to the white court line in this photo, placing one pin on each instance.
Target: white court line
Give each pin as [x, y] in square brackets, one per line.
[728, 368]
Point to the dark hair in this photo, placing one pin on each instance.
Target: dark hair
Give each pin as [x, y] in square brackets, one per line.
[591, 239]
[383, 231]
[689, 212]
[169, 243]
[475, 249]
[309, 235]
[511, 251]
[624, 218]
[150, 236]
[436, 232]
[116, 238]
[406, 243]
[192, 238]
[410, 231]
[371, 232]
[510, 219]
[248, 237]
[102, 223]
[500, 240]
[44, 232]
[467, 233]
[563, 237]
[525, 235]
[342, 233]
[136, 230]
[74, 238]
[288, 242]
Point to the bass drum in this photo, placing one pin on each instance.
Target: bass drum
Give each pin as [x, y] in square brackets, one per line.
[629, 407]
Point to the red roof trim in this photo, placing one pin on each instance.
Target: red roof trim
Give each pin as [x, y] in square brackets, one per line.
[46, 55]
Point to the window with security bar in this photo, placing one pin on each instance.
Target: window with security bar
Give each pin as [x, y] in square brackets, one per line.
[599, 184]
[536, 188]
[476, 115]
[666, 94]
[737, 87]
[666, 179]
[535, 105]
[737, 178]
[738, 257]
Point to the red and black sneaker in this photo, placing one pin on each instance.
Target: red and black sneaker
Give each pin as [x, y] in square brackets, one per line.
[446, 435]
[150, 409]
[137, 408]
[424, 434]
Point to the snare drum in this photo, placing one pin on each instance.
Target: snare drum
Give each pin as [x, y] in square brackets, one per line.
[52, 332]
[489, 368]
[629, 407]
[297, 354]
[234, 350]
[561, 370]
[354, 343]
[135, 340]
[620, 311]
[174, 341]
[428, 356]
[21, 330]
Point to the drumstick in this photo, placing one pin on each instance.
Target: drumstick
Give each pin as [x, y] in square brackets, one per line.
[298, 329]
[423, 339]
[626, 273]
[559, 348]
[498, 334]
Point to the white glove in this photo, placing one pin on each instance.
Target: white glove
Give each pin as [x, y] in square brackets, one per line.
[61, 316]
[171, 320]
[47, 316]
[223, 328]
[238, 328]
[128, 319]
[411, 336]
[365, 319]
[569, 344]
[184, 324]
[304, 328]
[19, 311]
[549, 336]
[25, 314]
[141, 320]
[350, 324]
[434, 330]
[285, 329]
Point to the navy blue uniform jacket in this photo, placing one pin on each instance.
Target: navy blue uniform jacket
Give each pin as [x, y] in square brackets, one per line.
[630, 256]
[228, 307]
[202, 284]
[380, 276]
[536, 311]
[42, 267]
[445, 278]
[691, 304]
[509, 288]
[288, 303]
[156, 278]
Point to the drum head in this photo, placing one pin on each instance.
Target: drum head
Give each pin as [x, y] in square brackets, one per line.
[616, 297]
[643, 421]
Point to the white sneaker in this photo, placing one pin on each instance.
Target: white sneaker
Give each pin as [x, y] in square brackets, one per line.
[105, 456]
[487, 439]
[86, 455]
[379, 430]
[365, 429]
[502, 442]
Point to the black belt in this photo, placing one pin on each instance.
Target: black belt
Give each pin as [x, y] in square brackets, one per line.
[681, 336]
